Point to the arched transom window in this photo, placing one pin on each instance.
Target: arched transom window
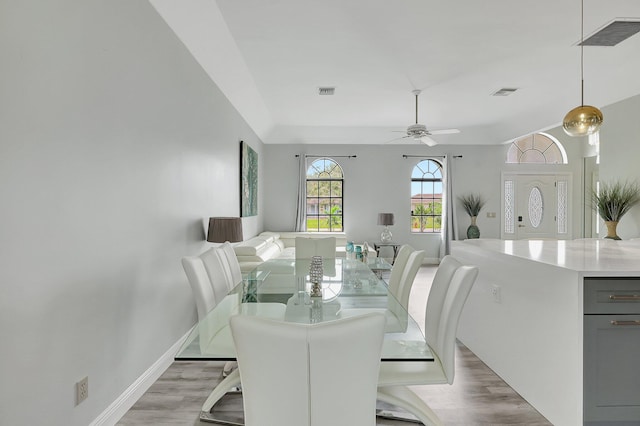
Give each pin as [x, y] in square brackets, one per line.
[539, 148]
[325, 182]
[426, 197]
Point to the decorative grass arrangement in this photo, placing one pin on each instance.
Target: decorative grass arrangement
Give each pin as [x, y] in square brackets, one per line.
[472, 203]
[615, 199]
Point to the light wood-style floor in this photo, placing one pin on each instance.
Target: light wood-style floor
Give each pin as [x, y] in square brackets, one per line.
[477, 397]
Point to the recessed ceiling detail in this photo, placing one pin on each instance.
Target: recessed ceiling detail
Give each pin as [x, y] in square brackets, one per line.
[613, 33]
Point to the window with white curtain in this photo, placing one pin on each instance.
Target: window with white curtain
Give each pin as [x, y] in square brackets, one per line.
[426, 197]
[325, 189]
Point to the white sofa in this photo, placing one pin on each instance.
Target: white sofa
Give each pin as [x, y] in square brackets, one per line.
[270, 245]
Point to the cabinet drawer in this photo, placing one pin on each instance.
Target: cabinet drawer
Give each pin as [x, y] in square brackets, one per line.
[611, 373]
[612, 295]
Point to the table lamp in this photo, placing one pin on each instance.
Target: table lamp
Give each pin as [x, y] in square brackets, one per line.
[223, 229]
[385, 219]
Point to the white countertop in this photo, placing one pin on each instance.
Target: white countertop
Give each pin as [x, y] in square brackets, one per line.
[591, 257]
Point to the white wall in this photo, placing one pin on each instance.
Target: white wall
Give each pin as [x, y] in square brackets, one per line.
[378, 180]
[114, 146]
[620, 155]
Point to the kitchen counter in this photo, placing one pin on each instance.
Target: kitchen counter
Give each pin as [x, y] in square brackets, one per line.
[524, 316]
[589, 256]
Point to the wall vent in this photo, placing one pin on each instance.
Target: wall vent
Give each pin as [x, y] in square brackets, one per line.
[326, 91]
[505, 91]
[613, 33]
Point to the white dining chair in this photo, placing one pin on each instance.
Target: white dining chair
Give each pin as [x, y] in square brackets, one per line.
[232, 265]
[409, 272]
[325, 374]
[396, 376]
[398, 267]
[437, 294]
[216, 267]
[306, 248]
[201, 272]
[210, 278]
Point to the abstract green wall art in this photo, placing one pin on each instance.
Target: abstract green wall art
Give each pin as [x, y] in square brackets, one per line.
[248, 180]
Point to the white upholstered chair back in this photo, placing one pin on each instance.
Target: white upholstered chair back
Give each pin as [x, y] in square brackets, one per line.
[325, 374]
[445, 341]
[398, 267]
[200, 284]
[306, 248]
[437, 293]
[235, 274]
[215, 264]
[408, 276]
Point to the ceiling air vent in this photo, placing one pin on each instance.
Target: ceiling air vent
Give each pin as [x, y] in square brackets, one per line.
[326, 91]
[505, 91]
[613, 33]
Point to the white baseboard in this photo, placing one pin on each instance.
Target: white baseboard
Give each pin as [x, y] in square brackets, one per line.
[124, 402]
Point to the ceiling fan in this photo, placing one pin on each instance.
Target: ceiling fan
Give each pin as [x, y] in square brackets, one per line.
[419, 132]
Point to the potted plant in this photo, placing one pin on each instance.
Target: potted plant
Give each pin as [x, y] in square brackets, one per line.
[472, 204]
[612, 201]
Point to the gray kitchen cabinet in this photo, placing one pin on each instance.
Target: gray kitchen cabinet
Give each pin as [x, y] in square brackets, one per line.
[611, 351]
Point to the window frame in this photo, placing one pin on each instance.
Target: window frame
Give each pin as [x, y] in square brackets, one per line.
[521, 150]
[436, 218]
[318, 215]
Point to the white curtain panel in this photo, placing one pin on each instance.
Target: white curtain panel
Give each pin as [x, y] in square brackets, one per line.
[449, 230]
[301, 213]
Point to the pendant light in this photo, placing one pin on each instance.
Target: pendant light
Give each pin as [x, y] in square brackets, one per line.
[585, 119]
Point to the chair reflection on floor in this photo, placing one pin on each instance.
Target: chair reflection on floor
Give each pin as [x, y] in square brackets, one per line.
[325, 374]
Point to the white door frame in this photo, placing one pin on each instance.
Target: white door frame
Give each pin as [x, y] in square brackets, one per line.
[512, 176]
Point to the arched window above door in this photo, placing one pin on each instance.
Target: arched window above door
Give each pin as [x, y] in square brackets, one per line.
[537, 148]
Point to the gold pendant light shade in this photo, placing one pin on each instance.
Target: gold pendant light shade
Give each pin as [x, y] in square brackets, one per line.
[586, 119]
[582, 121]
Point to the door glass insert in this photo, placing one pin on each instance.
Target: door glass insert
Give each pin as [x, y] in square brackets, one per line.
[536, 207]
[509, 207]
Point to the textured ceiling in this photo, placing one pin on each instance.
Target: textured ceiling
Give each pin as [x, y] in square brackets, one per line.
[270, 57]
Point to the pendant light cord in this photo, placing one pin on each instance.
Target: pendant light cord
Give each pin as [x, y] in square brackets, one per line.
[582, 53]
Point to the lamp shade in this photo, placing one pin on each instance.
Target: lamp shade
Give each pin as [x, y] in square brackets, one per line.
[223, 229]
[385, 219]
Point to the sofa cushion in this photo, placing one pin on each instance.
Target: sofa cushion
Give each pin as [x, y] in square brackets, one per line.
[273, 235]
[250, 247]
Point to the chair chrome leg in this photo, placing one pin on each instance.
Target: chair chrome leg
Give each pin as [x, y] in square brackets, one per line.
[228, 368]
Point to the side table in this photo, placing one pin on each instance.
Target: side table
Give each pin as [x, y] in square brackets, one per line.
[395, 246]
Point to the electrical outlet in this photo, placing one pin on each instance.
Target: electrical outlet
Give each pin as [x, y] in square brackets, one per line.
[82, 390]
[491, 215]
[495, 291]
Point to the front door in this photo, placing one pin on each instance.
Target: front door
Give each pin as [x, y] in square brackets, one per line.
[535, 206]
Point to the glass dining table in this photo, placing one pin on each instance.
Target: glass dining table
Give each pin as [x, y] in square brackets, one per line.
[279, 289]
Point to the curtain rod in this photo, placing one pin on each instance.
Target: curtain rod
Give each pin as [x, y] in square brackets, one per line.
[427, 156]
[330, 156]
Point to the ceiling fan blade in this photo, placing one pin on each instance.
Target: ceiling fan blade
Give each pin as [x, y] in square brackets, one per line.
[444, 131]
[396, 140]
[428, 141]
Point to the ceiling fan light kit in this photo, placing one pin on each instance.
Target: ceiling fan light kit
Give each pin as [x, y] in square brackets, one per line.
[583, 120]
